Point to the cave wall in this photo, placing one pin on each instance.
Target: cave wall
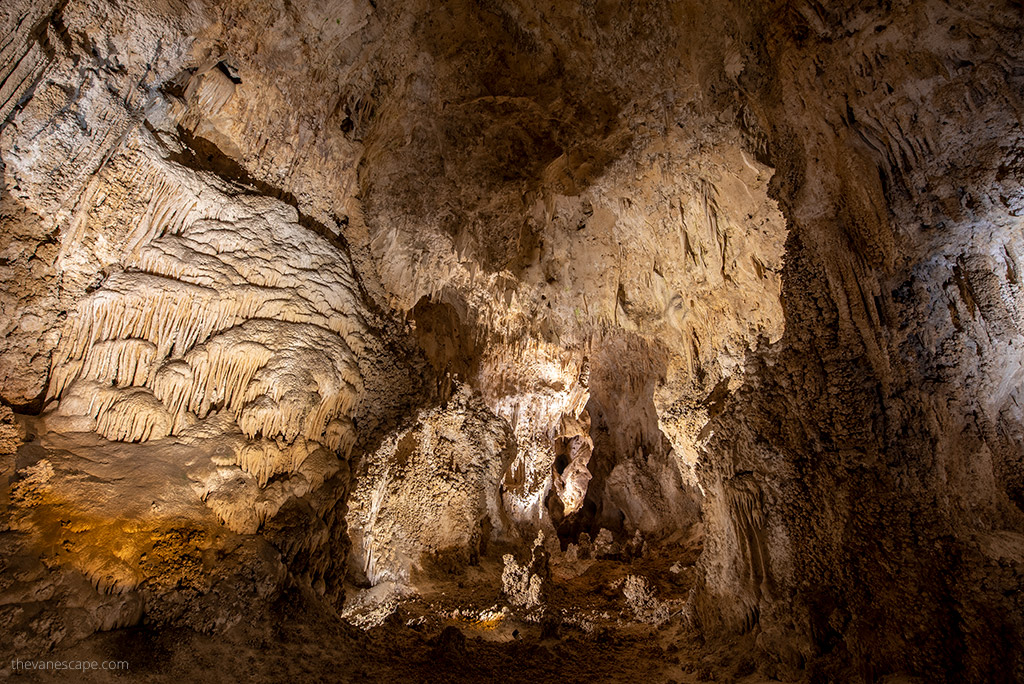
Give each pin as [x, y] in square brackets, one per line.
[211, 325]
[863, 483]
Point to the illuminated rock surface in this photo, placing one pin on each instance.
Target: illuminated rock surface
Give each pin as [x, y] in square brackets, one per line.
[672, 340]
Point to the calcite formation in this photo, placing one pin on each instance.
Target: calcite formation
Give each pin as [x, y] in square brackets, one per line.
[430, 495]
[408, 302]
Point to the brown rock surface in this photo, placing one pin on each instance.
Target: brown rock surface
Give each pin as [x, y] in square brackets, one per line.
[312, 296]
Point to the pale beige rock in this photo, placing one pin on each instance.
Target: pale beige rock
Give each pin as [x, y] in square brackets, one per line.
[430, 494]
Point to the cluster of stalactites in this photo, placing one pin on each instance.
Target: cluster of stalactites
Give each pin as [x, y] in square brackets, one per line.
[245, 499]
[170, 315]
[279, 380]
[574, 444]
[210, 320]
[492, 301]
[542, 391]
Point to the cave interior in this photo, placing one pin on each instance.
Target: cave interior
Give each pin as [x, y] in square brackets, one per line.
[498, 340]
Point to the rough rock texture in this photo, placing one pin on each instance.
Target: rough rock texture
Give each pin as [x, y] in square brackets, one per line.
[641, 599]
[864, 481]
[281, 278]
[429, 496]
[523, 583]
[160, 294]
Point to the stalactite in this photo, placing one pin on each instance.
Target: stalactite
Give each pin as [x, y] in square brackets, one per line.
[340, 435]
[171, 209]
[222, 370]
[264, 458]
[226, 316]
[172, 385]
[262, 384]
[123, 362]
[137, 416]
[62, 375]
[170, 314]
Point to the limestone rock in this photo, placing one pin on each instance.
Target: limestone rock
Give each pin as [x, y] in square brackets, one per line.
[294, 294]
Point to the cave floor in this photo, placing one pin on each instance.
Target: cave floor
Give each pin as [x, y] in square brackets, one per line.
[456, 628]
[458, 625]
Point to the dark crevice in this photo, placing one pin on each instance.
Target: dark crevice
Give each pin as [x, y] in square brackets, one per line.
[34, 406]
[229, 71]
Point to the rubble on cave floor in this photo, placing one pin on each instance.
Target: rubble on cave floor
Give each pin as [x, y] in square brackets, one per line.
[587, 599]
[606, 617]
[620, 589]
